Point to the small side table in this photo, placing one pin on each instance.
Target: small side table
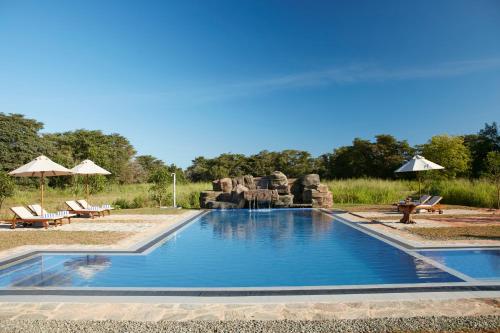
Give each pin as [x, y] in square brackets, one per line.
[408, 208]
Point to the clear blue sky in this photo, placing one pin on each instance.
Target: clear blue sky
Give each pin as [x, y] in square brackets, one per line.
[188, 78]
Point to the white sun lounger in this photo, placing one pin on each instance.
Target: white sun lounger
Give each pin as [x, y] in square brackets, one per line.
[75, 208]
[38, 211]
[23, 215]
[85, 205]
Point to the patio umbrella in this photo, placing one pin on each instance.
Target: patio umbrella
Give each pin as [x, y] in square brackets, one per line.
[41, 167]
[88, 168]
[416, 164]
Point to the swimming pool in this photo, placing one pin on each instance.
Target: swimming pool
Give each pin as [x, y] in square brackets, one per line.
[478, 264]
[241, 248]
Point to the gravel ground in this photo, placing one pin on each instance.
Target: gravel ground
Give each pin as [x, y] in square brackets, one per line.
[386, 325]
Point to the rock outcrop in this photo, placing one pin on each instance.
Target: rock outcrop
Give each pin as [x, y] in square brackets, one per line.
[274, 190]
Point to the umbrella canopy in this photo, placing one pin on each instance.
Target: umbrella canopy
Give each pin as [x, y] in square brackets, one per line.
[41, 167]
[419, 163]
[88, 168]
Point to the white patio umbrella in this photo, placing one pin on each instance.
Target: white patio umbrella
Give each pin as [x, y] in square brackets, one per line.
[41, 167]
[88, 168]
[419, 163]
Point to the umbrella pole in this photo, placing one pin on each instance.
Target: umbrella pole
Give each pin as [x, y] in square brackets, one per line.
[419, 186]
[41, 191]
[87, 181]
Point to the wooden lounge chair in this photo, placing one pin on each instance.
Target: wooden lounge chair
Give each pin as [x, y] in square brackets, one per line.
[423, 199]
[75, 208]
[432, 205]
[23, 215]
[85, 205]
[38, 211]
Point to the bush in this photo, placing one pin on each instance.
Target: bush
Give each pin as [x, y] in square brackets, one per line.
[122, 204]
[7, 187]
[140, 201]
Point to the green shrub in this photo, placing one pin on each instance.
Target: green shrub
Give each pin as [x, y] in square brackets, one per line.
[141, 201]
[122, 203]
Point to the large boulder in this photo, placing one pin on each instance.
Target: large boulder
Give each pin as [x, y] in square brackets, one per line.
[309, 181]
[206, 196]
[284, 201]
[279, 182]
[317, 199]
[237, 195]
[247, 181]
[226, 185]
[277, 179]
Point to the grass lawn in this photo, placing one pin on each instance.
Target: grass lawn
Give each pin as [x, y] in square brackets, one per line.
[148, 211]
[444, 233]
[13, 239]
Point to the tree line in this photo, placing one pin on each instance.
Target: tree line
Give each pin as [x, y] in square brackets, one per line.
[21, 140]
[462, 156]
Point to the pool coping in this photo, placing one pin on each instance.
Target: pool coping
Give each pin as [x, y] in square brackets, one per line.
[142, 248]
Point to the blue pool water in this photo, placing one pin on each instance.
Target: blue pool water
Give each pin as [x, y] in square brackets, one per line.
[239, 249]
[479, 264]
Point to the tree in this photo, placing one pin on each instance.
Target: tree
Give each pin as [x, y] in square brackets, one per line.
[20, 141]
[493, 171]
[389, 154]
[480, 144]
[7, 187]
[113, 152]
[366, 159]
[159, 190]
[450, 152]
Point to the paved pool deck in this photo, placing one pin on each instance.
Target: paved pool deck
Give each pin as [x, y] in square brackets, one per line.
[251, 308]
[185, 308]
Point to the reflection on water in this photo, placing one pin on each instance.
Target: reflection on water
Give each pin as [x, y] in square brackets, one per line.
[258, 224]
[60, 270]
[88, 266]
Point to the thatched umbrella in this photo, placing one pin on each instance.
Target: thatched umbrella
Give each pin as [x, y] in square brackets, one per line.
[416, 164]
[41, 167]
[88, 168]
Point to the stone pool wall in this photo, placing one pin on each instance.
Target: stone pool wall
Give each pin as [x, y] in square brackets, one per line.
[275, 190]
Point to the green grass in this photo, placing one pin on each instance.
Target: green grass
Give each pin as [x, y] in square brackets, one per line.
[476, 193]
[148, 211]
[187, 197]
[463, 192]
[369, 191]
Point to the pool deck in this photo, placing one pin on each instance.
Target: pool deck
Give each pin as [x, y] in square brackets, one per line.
[338, 305]
[250, 308]
[387, 224]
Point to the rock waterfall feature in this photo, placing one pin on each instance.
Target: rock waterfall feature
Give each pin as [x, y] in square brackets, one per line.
[272, 191]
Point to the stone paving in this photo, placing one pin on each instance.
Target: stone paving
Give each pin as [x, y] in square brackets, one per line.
[246, 311]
